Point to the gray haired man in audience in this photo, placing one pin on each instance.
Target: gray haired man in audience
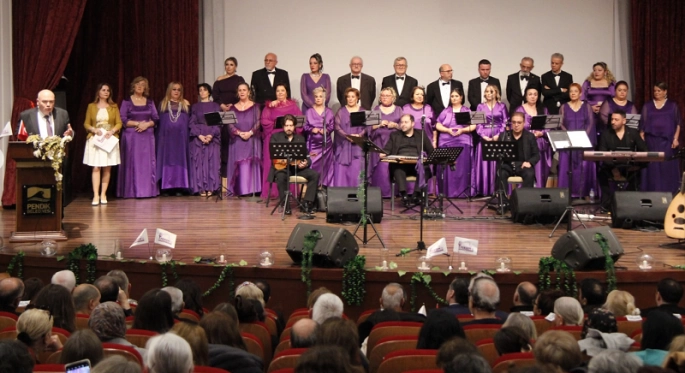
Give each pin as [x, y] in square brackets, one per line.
[176, 299]
[303, 333]
[86, 298]
[327, 306]
[483, 302]
[65, 278]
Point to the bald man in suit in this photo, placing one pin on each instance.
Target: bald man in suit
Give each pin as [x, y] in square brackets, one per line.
[366, 84]
[45, 119]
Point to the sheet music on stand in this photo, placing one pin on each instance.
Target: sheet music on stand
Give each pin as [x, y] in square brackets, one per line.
[216, 118]
[633, 120]
[543, 122]
[478, 117]
[553, 122]
[285, 150]
[569, 140]
[444, 155]
[367, 144]
[373, 118]
[280, 121]
[500, 150]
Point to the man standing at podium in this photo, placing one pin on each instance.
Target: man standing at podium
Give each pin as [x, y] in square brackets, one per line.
[46, 120]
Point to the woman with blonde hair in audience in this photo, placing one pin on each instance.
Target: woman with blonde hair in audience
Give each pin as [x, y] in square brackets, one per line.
[621, 303]
[168, 353]
[568, 311]
[248, 290]
[524, 322]
[196, 337]
[34, 329]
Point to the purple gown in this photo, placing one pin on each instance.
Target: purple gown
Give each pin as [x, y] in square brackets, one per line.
[172, 148]
[268, 121]
[307, 86]
[485, 171]
[660, 126]
[137, 173]
[379, 172]
[609, 106]
[349, 158]
[544, 165]
[584, 172]
[244, 169]
[323, 164]
[457, 181]
[204, 159]
[417, 114]
[594, 95]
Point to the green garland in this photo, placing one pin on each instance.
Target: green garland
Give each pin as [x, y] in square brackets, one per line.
[164, 265]
[609, 262]
[85, 251]
[227, 271]
[354, 280]
[419, 277]
[310, 240]
[361, 195]
[564, 276]
[17, 260]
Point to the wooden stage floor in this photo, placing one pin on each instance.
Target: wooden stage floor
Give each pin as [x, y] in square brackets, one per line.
[247, 229]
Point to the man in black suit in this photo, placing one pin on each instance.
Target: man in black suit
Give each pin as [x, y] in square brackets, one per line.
[265, 80]
[519, 81]
[46, 119]
[303, 170]
[458, 297]
[528, 153]
[477, 85]
[438, 92]
[555, 85]
[400, 82]
[364, 83]
[669, 292]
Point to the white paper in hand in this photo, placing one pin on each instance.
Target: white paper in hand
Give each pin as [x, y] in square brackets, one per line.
[438, 248]
[141, 240]
[6, 131]
[165, 238]
[106, 144]
[465, 246]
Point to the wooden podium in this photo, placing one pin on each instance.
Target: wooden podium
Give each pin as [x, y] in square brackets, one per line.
[39, 203]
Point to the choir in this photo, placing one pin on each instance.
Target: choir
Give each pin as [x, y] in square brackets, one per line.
[170, 148]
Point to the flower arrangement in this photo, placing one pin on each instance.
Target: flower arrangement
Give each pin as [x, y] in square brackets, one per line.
[50, 148]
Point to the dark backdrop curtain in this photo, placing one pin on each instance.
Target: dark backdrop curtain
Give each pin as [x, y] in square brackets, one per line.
[43, 33]
[658, 28]
[119, 40]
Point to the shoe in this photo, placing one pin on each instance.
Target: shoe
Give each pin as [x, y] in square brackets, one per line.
[103, 201]
[406, 200]
[288, 211]
[203, 194]
[95, 202]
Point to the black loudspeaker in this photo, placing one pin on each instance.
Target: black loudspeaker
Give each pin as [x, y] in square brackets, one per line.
[345, 205]
[579, 249]
[629, 208]
[336, 247]
[538, 205]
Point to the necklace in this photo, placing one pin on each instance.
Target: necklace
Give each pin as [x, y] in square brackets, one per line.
[173, 117]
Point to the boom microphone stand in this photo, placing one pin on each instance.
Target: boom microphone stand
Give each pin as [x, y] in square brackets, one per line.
[367, 146]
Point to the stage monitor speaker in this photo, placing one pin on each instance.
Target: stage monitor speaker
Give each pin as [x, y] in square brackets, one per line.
[580, 251]
[345, 205]
[538, 205]
[629, 208]
[336, 247]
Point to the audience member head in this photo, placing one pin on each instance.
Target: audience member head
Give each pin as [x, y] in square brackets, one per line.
[558, 348]
[249, 310]
[328, 305]
[32, 286]
[511, 339]
[544, 305]
[83, 344]
[109, 290]
[315, 295]
[65, 278]
[484, 298]
[86, 298]
[121, 279]
[343, 333]
[263, 285]
[192, 295]
[468, 363]
[525, 294]
[228, 309]
[34, 329]
[168, 353]
[222, 329]
[117, 364]
[621, 303]
[11, 292]
[439, 327]
[196, 337]
[614, 361]
[108, 321]
[176, 299]
[458, 291]
[591, 293]
[249, 290]
[15, 357]
[668, 291]
[393, 297]
[524, 323]
[329, 359]
[600, 319]
[568, 311]
[57, 299]
[154, 312]
[303, 333]
[451, 348]
[659, 329]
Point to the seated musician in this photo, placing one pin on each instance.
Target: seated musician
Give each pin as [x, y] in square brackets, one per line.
[279, 167]
[619, 138]
[407, 142]
[528, 154]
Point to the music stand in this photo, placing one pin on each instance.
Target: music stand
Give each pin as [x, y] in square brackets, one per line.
[499, 151]
[444, 157]
[220, 119]
[633, 120]
[291, 152]
[367, 146]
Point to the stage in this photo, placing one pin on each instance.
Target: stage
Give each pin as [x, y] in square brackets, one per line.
[247, 228]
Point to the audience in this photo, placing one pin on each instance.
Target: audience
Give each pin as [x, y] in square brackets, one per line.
[83, 344]
[669, 292]
[86, 298]
[392, 300]
[315, 294]
[154, 312]
[558, 348]
[57, 299]
[327, 306]
[567, 311]
[452, 348]
[600, 320]
[11, 292]
[168, 353]
[329, 359]
[544, 304]
[229, 310]
[108, 323]
[303, 333]
[524, 297]
[121, 279]
[591, 294]
[266, 293]
[614, 361]
[15, 357]
[524, 323]
[458, 297]
[111, 292]
[338, 332]
[498, 313]
[192, 295]
[249, 310]
[226, 346]
[511, 339]
[32, 286]
[65, 278]
[195, 335]
[249, 290]
[222, 329]
[483, 301]
[600, 333]
[117, 364]
[176, 295]
[439, 327]
[657, 332]
[468, 363]
[34, 329]
[621, 303]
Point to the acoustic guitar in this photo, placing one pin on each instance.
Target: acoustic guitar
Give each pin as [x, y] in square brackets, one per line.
[281, 164]
[674, 221]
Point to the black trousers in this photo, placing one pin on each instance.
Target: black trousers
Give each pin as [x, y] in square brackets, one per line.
[605, 174]
[307, 173]
[506, 170]
[400, 172]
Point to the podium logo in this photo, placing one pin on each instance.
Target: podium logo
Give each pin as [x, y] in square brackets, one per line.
[39, 199]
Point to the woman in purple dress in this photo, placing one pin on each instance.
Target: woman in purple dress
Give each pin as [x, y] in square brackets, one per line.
[577, 115]
[318, 127]
[496, 117]
[349, 158]
[272, 110]
[225, 93]
[137, 173]
[205, 145]
[418, 109]
[530, 108]
[452, 183]
[379, 172]
[244, 174]
[172, 141]
[598, 88]
[619, 101]
[660, 127]
[316, 78]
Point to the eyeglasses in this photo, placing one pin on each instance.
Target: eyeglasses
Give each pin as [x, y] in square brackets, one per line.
[446, 71]
[400, 65]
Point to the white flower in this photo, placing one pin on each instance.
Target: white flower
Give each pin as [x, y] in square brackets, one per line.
[37, 154]
[58, 176]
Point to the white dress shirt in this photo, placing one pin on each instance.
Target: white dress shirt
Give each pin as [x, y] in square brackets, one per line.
[483, 85]
[271, 76]
[43, 126]
[445, 92]
[356, 83]
[400, 83]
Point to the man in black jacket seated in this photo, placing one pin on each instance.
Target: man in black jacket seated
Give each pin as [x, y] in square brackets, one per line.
[669, 292]
[528, 154]
[407, 142]
[619, 137]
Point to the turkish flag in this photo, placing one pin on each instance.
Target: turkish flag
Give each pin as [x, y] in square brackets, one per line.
[22, 135]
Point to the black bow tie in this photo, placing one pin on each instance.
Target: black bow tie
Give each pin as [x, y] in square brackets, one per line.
[443, 83]
[524, 77]
[399, 78]
[555, 75]
[355, 76]
[485, 80]
[271, 72]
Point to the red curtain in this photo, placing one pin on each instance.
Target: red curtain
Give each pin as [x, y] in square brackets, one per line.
[43, 33]
[658, 27]
[119, 40]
